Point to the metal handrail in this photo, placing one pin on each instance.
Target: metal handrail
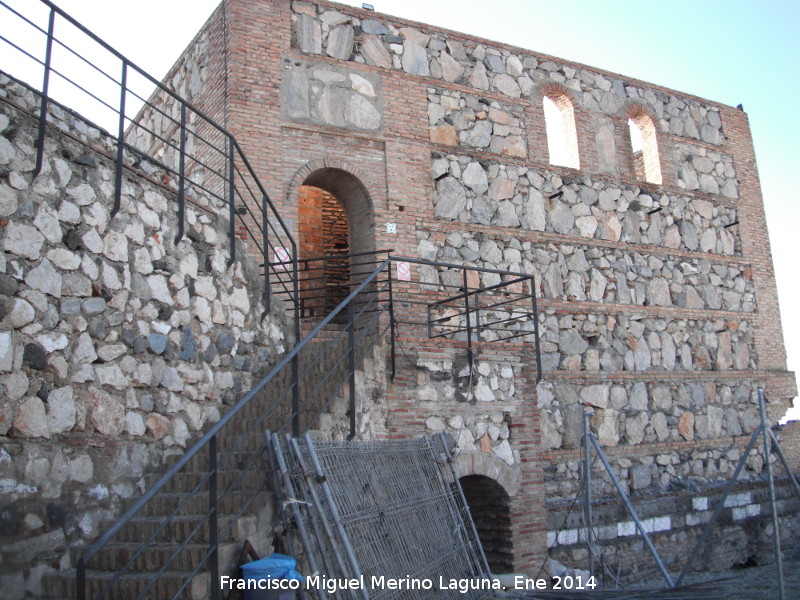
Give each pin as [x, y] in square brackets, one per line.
[237, 182]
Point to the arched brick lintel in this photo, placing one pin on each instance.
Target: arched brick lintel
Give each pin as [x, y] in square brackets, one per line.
[345, 181]
[314, 172]
[481, 463]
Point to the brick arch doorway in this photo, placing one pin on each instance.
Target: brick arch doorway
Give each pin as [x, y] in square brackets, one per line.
[335, 222]
[489, 505]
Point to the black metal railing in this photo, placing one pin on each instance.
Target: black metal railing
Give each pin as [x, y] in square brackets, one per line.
[468, 304]
[222, 475]
[456, 302]
[201, 161]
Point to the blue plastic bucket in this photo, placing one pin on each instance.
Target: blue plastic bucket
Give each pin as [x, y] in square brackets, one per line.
[275, 566]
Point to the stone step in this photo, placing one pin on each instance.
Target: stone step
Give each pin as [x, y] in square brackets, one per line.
[177, 529]
[185, 482]
[62, 585]
[115, 555]
[165, 504]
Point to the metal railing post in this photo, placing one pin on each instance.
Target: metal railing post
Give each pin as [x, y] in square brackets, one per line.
[295, 359]
[351, 360]
[45, 98]
[532, 284]
[776, 531]
[213, 557]
[231, 204]
[466, 314]
[120, 140]
[181, 175]
[80, 580]
[587, 492]
[391, 319]
[265, 229]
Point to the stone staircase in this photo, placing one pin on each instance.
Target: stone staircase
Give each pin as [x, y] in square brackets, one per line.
[178, 513]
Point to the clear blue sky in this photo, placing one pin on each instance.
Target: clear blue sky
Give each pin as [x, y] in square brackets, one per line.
[731, 51]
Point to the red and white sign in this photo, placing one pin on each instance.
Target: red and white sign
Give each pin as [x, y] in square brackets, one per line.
[283, 259]
[403, 271]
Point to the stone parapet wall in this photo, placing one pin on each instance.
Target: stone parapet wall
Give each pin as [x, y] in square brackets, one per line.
[117, 345]
[415, 49]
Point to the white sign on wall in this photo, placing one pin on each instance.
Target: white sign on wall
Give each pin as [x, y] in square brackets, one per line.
[282, 260]
[403, 271]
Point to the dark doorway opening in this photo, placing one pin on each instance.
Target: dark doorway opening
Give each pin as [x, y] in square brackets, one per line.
[489, 505]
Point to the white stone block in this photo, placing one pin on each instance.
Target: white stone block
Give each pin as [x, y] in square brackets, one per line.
[738, 499]
[626, 528]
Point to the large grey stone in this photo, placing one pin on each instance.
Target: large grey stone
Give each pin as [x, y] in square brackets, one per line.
[375, 53]
[8, 199]
[415, 59]
[333, 104]
[61, 413]
[6, 351]
[93, 306]
[296, 94]
[19, 313]
[606, 422]
[506, 215]
[47, 222]
[108, 413]
[507, 85]
[595, 395]
[450, 198]
[561, 218]
[573, 425]
[362, 85]
[475, 178]
[551, 437]
[332, 18]
[32, 420]
[23, 240]
[635, 427]
[658, 292]
[479, 136]
[534, 217]
[570, 342]
[478, 78]
[340, 42]
[309, 34]
[638, 396]
[362, 114]
[115, 246]
[640, 477]
[373, 27]
[451, 70]
[494, 63]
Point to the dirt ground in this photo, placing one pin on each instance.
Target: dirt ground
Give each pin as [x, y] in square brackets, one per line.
[756, 583]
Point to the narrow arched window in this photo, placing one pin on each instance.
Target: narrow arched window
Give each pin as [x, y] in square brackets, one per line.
[645, 148]
[562, 137]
